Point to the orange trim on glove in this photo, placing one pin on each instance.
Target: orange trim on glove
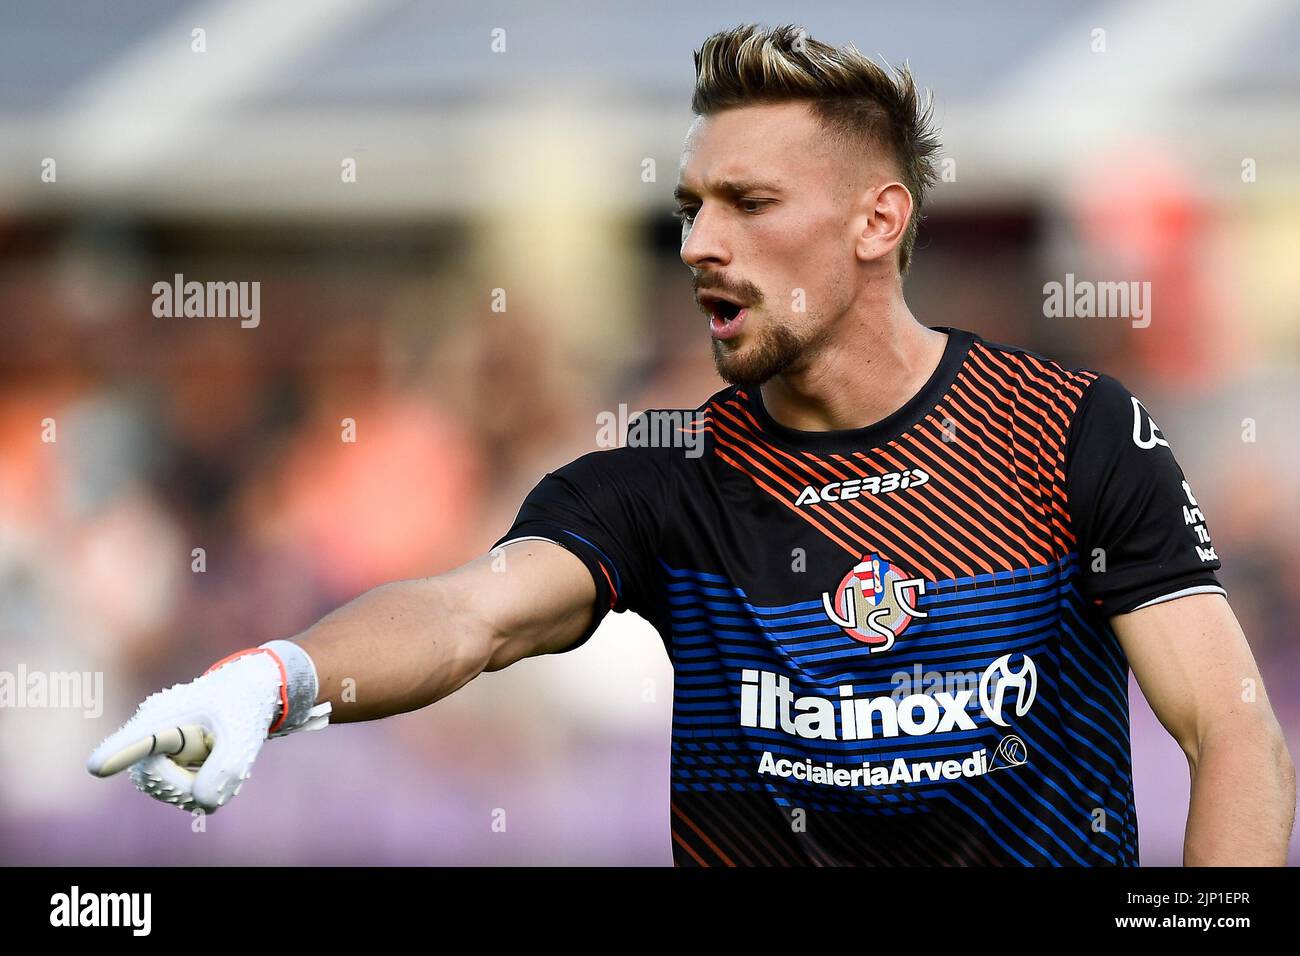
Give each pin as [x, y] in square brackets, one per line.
[284, 679]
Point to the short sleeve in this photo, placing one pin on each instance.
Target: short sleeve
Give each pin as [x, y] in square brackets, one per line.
[607, 509]
[1141, 533]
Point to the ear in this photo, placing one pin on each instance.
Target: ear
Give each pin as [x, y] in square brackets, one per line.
[879, 227]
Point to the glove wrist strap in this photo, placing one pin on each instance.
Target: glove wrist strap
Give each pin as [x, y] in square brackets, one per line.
[298, 686]
[301, 685]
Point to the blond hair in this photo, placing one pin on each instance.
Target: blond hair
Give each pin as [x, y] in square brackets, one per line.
[857, 102]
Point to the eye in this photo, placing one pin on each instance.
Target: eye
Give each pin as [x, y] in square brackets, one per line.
[756, 204]
[685, 215]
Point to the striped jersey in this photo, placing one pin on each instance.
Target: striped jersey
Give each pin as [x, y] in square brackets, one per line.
[891, 644]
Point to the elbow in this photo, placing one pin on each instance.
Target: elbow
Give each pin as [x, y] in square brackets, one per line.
[1261, 735]
[1285, 765]
[481, 634]
[1276, 752]
[502, 649]
[465, 630]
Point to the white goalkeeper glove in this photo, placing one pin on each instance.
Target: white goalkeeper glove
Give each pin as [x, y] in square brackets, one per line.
[193, 745]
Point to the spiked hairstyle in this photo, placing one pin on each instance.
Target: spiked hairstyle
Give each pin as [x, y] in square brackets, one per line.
[859, 103]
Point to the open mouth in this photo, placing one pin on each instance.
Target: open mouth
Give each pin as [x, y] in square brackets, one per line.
[724, 310]
[725, 316]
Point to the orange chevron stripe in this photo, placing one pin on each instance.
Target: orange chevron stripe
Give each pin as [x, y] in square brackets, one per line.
[702, 835]
[920, 558]
[922, 565]
[942, 475]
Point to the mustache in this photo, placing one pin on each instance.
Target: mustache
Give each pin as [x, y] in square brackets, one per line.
[743, 290]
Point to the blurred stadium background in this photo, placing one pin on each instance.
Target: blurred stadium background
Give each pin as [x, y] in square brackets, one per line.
[1170, 157]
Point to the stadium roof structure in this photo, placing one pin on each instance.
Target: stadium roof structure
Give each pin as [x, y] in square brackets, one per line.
[439, 121]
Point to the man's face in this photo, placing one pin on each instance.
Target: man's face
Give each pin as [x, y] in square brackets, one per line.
[765, 201]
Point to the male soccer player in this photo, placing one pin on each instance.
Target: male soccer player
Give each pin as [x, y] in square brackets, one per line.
[902, 586]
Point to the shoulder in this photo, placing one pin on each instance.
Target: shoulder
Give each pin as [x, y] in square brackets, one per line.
[1030, 377]
[1111, 420]
[646, 446]
[1083, 400]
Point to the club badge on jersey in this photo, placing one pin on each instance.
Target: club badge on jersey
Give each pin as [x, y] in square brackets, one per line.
[874, 602]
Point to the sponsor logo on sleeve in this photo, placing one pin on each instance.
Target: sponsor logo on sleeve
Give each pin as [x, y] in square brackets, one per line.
[1146, 433]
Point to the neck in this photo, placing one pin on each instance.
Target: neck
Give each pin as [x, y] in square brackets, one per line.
[866, 370]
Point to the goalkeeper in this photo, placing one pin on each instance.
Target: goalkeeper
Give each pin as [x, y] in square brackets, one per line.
[874, 497]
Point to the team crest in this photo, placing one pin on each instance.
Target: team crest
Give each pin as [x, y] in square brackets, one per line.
[874, 602]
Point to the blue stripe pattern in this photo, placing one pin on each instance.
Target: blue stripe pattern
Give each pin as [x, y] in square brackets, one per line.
[1070, 803]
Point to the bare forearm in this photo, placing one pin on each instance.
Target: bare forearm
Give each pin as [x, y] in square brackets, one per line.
[394, 649]
[403, 646]
[1243, 801]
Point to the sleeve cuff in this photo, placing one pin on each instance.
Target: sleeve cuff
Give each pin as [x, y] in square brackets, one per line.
[603, 571]
[1133, 599]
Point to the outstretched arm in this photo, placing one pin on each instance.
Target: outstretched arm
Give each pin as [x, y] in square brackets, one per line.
[396, 648]
[1194, 666]
[402, 646]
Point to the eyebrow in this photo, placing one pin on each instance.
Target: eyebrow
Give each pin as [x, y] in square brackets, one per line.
[731, 188]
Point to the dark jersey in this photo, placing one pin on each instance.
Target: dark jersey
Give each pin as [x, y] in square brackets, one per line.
[891, 644]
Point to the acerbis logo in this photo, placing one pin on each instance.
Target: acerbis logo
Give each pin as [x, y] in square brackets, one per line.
[874, 602]
[998, 679]
[856, 487]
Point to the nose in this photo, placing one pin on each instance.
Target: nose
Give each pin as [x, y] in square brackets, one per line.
[703, 244]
